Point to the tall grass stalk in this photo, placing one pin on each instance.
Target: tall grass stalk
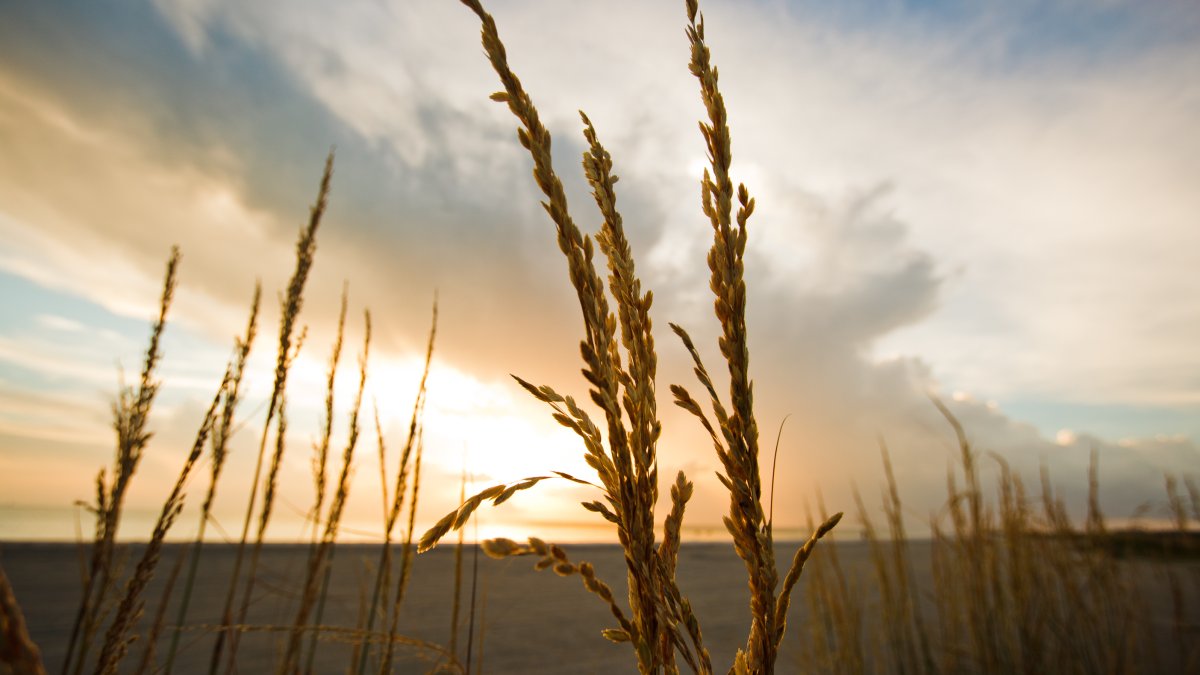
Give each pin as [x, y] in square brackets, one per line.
[627, 469]
[321, 452]
[222, 431]
[290, 311]
[316, 582]
[117, 640]
[320, 462]
[835, 641]
[150, 644]
[416, 441]
[904, 642]
[456, 603]
[1057, 596]
[737, 444]
[131, 413]
[394, 507]
[471, 615]
[621, 375]
[661, 625]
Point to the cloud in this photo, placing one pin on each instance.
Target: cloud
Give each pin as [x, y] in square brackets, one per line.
[946, 201]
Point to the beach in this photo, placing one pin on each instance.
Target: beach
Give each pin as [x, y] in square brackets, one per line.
[526, 621]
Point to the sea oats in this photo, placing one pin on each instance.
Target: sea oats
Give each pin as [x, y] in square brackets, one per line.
[117, 640]
[289, 345]
[621, 376]
[414, 447]
[223, 429]
[131, 413]
[316, 580]
[735, 437]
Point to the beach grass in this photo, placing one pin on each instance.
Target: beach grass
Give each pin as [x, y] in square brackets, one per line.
[1010, 585]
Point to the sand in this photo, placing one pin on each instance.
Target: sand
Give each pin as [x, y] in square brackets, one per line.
[528, 621]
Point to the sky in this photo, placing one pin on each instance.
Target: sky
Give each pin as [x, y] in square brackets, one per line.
[990, 203]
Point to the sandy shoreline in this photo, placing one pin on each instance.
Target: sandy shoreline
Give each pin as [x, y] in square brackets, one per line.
[531, 622]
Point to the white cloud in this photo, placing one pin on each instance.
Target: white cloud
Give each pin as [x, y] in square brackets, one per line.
[61, 323]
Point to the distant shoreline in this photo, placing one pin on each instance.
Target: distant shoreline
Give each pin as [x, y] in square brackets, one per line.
[1126, 540]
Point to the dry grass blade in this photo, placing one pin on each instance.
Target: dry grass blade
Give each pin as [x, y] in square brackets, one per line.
[18, 653]
[668, 551]
[415, 446]
[627, 464]
[554, 557]
[131, 413]
[221, 434]
[392, 510]
[684, 400]
[1026, 592]
[321, 451]
[458, 517]
[633, 311]
[793, 575]
[737, 443]
[344, 634]
[317, 576]
[1193, 496]
[289, 345]
[458, 568]
[116, 641]
[497, 494]
[150, 646]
